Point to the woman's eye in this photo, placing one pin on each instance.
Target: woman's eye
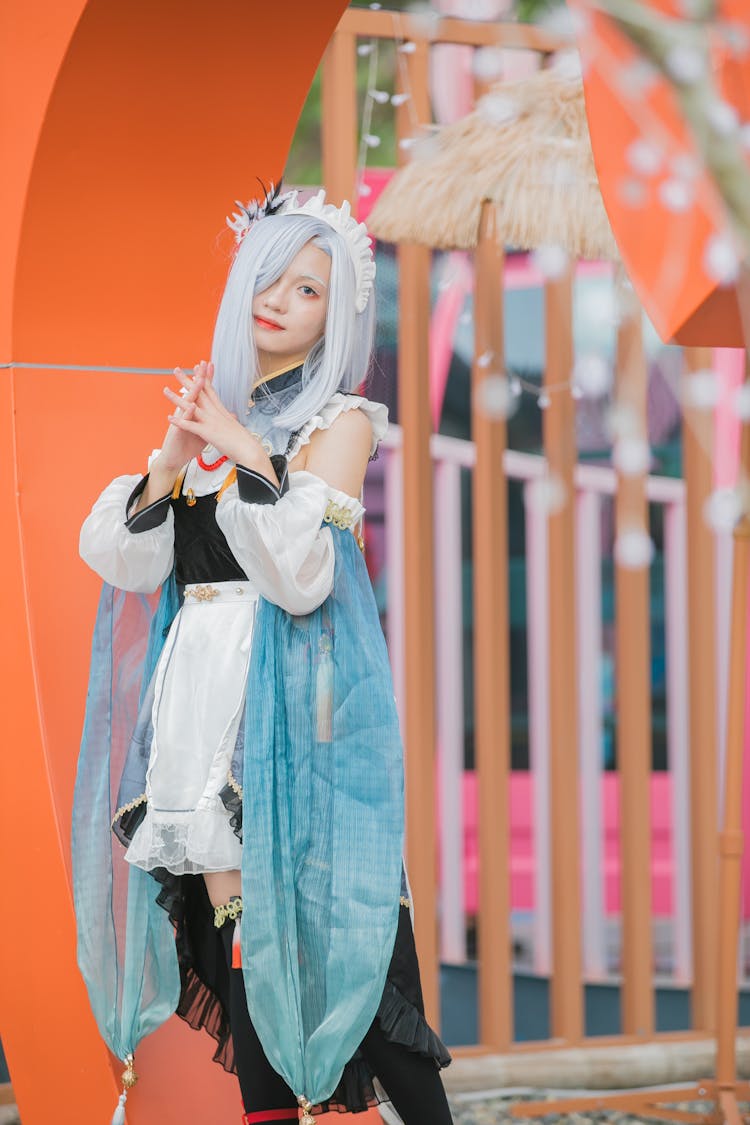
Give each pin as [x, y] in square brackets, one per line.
[308, 291]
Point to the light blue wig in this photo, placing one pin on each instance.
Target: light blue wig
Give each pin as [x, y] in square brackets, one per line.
[338, 362]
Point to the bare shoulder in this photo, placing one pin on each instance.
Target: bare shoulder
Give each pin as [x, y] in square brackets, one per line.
[350, 427]
[339, 454]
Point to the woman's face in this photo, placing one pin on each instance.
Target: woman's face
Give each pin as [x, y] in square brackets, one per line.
[290, 316]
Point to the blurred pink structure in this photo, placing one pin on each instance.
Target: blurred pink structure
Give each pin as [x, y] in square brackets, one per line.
[522, 867]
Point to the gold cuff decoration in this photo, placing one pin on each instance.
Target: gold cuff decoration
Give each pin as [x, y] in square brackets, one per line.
[231, 909]
[338, 515]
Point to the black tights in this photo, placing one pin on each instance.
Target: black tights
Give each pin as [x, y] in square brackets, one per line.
[412, 1082]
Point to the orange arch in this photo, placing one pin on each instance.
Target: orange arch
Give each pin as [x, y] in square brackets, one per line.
[663, 250]
[134, 128]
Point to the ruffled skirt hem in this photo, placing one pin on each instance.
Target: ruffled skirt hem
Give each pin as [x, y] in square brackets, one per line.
[186, 844]
[204, 994]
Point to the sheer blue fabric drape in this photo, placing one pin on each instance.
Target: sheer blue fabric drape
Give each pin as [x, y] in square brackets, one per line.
[126, 949]
[322, 828]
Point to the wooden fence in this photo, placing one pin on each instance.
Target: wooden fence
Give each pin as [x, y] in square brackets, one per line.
[562, 562]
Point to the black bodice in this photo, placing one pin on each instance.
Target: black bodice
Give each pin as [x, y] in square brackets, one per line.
[201, 551]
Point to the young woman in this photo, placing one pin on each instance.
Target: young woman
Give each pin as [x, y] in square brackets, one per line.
[253, 738]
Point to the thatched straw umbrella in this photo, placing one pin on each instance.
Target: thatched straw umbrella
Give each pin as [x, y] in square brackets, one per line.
[525, 148]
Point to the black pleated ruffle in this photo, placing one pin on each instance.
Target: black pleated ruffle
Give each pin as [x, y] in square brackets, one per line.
[204, 992]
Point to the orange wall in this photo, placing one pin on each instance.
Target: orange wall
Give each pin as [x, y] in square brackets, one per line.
[133, 128]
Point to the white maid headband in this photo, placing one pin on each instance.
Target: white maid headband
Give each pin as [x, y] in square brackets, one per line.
[340, 218]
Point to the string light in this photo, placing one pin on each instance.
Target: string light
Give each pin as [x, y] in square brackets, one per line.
[685, 64]
[741, 402]
[634, 548]
[676, 195]
[368, 139]
[701, 390]
[723, 118]
[721, 260]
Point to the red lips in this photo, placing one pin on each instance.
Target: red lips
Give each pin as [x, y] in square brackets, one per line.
[269, 324]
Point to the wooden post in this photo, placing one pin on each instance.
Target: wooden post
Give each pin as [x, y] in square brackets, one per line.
[633, 672]
[339, 118]
[418, 541]
[731, 837]
[697, 436]
[566, 988]
[491, 651]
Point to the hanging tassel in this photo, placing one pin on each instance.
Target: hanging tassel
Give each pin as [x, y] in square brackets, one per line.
[324, 688]
[307, 1117]
[129, 1079]
[118, 1117]
[237, 944]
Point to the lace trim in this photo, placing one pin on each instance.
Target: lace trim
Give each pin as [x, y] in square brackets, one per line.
[127, 808]
[233, 783]
[377, 412]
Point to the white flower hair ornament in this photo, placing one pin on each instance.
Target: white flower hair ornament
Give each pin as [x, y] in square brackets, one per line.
[272, 203]
[355, 234]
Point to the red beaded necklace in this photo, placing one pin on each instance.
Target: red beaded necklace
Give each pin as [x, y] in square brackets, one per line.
[213, 465]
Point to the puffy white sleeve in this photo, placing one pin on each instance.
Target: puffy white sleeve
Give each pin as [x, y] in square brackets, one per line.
[133, 554]
[279, 542]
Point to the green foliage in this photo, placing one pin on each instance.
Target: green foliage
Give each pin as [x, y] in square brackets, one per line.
[529, 11]
[304, 163]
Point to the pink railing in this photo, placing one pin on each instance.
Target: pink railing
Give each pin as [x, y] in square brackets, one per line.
[530, 791]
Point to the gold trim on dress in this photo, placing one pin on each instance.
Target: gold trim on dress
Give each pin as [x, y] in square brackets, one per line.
[273, 375]
[202, 593]
[177, 489]
[127, 808]
[233, 783]
[229, 480]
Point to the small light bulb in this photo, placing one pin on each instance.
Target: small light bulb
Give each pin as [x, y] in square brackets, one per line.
[741, 402]
[634, 549]
[685, 64]
[720, 259]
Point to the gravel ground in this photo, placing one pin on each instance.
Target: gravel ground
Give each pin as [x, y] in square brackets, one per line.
[477, 1110]
[494, 1110]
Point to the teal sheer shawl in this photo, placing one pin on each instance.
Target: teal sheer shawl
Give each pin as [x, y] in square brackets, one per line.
[322, 783]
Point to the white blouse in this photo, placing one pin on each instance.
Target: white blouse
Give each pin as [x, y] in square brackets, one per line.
[282, 547]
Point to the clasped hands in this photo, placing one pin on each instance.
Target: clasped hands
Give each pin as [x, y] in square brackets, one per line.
[201, 419]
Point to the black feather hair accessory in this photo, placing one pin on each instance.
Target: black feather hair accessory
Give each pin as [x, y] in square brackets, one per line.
[271, 203]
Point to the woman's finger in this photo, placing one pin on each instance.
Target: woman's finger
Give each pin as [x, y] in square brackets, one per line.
[214, 399]
[186, 409]
[185, 424]
[191, 387]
